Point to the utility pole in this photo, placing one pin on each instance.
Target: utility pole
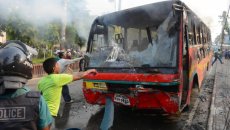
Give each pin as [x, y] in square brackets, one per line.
[119, 5]
[224, 22]
[63, 29]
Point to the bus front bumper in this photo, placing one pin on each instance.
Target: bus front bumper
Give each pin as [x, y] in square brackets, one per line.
[139, 99]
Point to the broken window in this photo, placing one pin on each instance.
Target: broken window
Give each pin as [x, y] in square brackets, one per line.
[135, 44]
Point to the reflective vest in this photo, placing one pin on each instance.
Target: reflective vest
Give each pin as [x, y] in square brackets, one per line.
[20, 113]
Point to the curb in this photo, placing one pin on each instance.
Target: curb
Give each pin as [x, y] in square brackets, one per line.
[211, 113]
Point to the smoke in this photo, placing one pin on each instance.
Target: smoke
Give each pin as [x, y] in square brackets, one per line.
[33, 11]
[41, 12]
[100, 7]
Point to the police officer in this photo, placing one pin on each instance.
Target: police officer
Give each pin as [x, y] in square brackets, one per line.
[20, 108]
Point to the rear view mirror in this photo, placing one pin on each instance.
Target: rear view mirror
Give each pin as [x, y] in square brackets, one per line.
[83, 63]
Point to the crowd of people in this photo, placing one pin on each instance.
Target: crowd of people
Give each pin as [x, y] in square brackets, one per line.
[227, 54]
[21, 108]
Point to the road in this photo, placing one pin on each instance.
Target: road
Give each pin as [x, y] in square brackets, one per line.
[88, 117]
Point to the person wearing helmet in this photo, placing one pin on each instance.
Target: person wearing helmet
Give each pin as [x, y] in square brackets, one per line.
[51, 85]
[20, 108]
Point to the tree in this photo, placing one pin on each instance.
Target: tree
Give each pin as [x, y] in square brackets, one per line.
[71, 33]
[81, 42]
[52, 34]
[20, 25]
[18, 29]
[73, 38]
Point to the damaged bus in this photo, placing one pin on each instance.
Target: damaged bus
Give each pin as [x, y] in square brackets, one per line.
[147, 57]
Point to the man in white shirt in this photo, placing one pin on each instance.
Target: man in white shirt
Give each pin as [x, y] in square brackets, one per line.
[64, 65]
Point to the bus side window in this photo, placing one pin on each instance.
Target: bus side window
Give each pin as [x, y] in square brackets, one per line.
[190, 32]
[185, 41]
[194, 33]
[202, 52]
[190, 38]
[198, 55]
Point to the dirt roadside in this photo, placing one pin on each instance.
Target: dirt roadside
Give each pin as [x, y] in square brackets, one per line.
[200, 118]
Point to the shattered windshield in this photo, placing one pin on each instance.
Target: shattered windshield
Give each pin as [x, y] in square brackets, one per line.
[124, 46]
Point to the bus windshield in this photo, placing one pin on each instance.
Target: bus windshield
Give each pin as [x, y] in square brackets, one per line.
[134, 43]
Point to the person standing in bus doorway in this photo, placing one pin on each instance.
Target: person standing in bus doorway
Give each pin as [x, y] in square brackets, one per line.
[217, 55]
[20, 108]
[64, 66]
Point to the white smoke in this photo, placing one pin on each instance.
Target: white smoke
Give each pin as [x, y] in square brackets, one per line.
[40, 12]
[34, 11]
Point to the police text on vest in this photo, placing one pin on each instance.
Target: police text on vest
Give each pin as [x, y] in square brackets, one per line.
[12, 113]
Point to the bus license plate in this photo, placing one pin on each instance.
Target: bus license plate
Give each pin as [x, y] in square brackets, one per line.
[121, 99]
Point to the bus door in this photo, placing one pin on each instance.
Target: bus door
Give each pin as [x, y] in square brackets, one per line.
[185, 66]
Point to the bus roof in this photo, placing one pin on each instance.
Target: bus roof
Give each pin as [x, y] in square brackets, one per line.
[156, 12]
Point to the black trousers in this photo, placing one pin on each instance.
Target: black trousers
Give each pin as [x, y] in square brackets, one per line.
[65, 93]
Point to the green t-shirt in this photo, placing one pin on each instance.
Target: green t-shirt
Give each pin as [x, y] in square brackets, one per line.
[51, 88]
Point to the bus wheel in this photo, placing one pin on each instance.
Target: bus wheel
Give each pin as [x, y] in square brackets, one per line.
[193, 96]
[194, 93]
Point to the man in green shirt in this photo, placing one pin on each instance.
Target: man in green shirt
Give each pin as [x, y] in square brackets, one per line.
[51, 85]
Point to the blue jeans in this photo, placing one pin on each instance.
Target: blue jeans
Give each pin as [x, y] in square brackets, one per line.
[65, 93]
[217, 57]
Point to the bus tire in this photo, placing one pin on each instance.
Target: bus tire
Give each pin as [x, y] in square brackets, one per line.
[193, 95]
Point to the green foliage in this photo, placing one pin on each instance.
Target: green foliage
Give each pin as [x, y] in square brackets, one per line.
[43, 37]
[81, 42]
[73, 38]
[52, 33]
[18, 29]
[70, 34]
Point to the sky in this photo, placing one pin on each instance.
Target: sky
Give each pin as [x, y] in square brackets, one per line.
[208, 10]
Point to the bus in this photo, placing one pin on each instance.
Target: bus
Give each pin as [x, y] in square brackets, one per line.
[148, 57]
